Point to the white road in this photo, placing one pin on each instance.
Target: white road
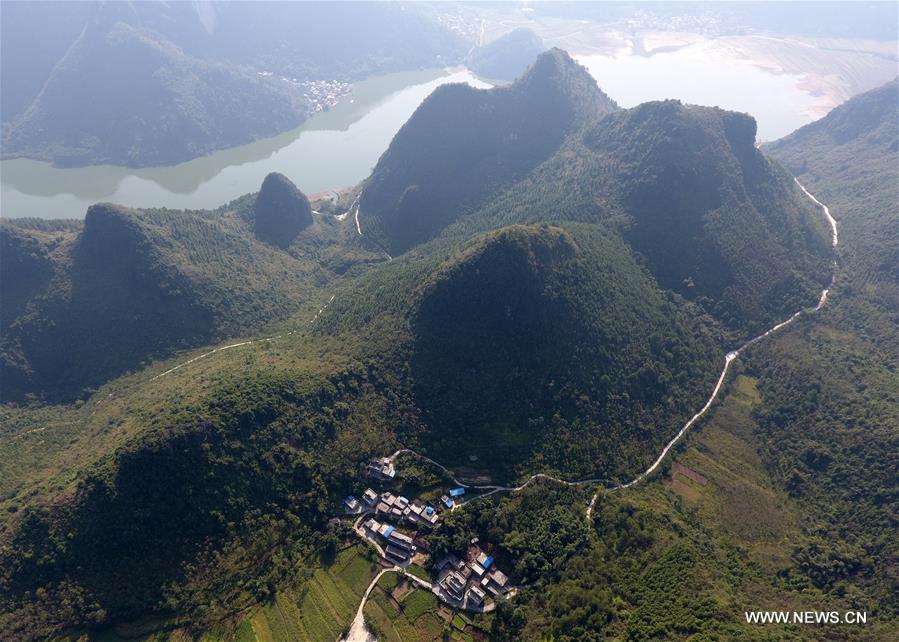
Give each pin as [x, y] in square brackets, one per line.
[242, 343]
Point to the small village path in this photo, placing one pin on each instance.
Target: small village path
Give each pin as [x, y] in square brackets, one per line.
[358, 631]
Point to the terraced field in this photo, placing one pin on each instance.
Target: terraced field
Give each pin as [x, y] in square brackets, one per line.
[322, 608]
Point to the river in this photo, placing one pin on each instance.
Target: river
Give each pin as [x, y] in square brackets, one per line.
[332, 149]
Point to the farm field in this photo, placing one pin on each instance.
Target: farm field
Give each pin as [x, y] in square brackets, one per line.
[394, 613]
[320, 609]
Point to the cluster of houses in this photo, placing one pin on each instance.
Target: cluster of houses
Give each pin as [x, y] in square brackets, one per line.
[461, 583]
[321, 94]
[393, 507]
[468, 582]
[398, 547]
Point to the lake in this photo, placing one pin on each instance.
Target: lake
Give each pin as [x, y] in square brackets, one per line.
[340, 147]
[699, 77]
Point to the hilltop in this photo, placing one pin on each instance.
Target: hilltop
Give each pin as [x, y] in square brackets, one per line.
[281, 211]
[684, 186]
[95, 300]
[552, 344]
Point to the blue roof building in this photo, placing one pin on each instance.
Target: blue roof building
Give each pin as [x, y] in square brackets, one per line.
[455, 492]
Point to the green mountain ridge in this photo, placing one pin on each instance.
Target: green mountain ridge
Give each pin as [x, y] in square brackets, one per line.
[463, 145]
[714, 219]
[183, 107]
[157, 83]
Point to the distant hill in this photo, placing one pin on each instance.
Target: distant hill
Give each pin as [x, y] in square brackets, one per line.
[130, 285]
[849, 158]
[156, 83]
[127, 96]
[463, 145]
[508, 56]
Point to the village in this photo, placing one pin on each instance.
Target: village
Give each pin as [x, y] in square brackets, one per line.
[322, 95]
[398, 528]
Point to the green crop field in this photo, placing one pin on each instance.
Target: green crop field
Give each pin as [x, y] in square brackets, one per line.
[415, 617]
[321, 609]
[419, 572]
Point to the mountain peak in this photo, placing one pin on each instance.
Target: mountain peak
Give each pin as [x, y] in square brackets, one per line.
[282, 211]
[556, 72]
[463, 145]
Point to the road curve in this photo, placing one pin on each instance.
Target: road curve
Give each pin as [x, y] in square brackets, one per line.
[358, 632]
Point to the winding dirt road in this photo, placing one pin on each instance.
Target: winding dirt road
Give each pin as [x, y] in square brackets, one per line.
[728, 359]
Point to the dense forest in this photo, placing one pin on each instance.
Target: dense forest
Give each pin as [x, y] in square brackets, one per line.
[714, 220]
[88, 301]
[463, 145]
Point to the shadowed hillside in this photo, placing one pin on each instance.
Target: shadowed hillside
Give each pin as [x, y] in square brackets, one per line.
[463, 145]
[540, 342]
[281, 211]
[131, 285]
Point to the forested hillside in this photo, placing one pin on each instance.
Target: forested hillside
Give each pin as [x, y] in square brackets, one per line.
[463, 145]
[714, 220]
[157, 83]
[88, 304]
[546, 348]
[785, 498]
[566, 315]
[91, 110]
